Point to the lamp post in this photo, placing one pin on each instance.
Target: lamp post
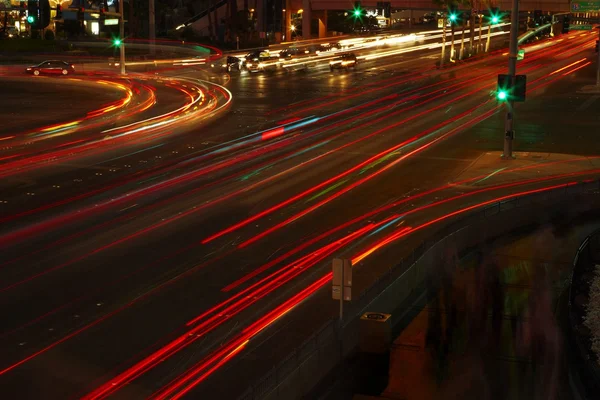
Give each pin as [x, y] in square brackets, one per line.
[509, 133]
[121, 44]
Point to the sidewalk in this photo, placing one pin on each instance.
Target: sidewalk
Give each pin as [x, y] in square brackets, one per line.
[516, 352]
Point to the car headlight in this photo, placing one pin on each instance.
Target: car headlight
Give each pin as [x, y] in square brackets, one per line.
[212, 65]
[28, 69]
[248, 64]
[223, 65]
[261, 65]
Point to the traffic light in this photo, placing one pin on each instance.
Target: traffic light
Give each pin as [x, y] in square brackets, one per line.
[117, 42]
[81, 13]
[453, 14]
[357, 12]
[33, 13]
[495, 16]
[59, 14]
[507, 92]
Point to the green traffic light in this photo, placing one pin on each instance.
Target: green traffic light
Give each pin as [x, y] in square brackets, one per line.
[502, 95]
[452, 17]
[357, 13]
[117, 42]
[495, 19]
[31, 19]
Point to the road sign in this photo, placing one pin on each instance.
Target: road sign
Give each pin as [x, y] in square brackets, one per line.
[342, 276]
[341, 282]
[585, 6]
[580, 28]
[335, 293]
[521, 55]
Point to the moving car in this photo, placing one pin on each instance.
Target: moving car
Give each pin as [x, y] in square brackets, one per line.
[346, 61]
[51, 67]
[263, 62]
[228, 64]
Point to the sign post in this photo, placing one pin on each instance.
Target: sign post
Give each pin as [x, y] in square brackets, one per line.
[341, 282]
[122, 46]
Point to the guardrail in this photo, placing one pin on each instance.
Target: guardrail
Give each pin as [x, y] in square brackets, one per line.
[309, 363]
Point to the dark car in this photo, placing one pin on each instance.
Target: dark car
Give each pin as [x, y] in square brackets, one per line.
[52, 67]
[228, 64]
[346, 61]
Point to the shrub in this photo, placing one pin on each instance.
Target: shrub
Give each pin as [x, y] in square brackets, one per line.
[592, 316]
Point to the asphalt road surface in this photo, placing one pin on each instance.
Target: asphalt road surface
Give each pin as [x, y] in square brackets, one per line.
[141, 269]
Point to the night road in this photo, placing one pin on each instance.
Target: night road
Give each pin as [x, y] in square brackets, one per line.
[157, 228]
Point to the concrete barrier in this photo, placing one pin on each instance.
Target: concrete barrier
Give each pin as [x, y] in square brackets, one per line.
[300, 372]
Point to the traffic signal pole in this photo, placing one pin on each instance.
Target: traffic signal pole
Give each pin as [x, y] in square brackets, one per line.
[122, 45]
[509, 133]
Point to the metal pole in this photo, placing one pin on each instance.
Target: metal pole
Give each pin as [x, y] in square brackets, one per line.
[151, 26]
[443, 44]
[342, 295]
[480, 28]
[452, 42]
[122, 46]
[489, 37]
[509, 132]
[598, 65]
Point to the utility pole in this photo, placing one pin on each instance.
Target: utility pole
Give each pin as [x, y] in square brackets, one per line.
[509, 133]
[151, 26]
[122, 44]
